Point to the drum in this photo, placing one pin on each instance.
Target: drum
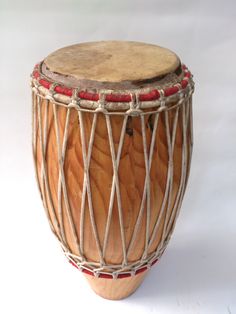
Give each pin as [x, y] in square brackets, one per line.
[112, 145]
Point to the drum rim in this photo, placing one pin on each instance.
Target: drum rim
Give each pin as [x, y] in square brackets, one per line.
[76, 62]
[112, 100]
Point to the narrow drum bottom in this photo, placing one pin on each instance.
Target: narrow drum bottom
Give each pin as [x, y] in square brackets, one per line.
[115, 289]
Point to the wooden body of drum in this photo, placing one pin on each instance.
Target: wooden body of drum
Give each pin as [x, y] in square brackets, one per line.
[112, 142]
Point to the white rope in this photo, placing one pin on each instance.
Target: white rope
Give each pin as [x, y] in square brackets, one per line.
[191, 125]
[138, 221]
[184, 104]
[96, 266]
[120, 108]
[168, 181]
[83, 197]
[44, 174]
[170, 144]
[61, 178]
[185, 119]
[178, 200]
[59, 187]
[117, 188]
[173, 78]
[44, 135]
[87, 182]
[111, 202]
[147, 179]
[34, 137]
[34, 149]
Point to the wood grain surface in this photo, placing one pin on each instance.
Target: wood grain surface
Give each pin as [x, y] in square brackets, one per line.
[131, 178]
[115, 289]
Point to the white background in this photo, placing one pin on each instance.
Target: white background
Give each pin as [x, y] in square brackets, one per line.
[197, 274]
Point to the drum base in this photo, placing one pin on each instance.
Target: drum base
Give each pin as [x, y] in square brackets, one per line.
[115, 289]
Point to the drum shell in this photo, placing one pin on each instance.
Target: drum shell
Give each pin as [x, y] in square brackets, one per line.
[59, 159]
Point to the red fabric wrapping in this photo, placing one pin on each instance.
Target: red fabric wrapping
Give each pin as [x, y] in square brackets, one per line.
[88, 96]
[184, 83]
[171, 91]
[154, 94]
[109, 276]
[105, 276]
[45, 83]
[36, 74]
[72, 263]
[63, 90]
[140, 270]
[86, 271]
[154, 262]
[118, 98]
[124, 275]
[188, 75]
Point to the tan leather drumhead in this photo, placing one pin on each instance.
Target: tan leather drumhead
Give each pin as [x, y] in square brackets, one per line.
[112, 61]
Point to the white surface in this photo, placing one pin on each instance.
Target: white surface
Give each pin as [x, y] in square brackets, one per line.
[197, 274]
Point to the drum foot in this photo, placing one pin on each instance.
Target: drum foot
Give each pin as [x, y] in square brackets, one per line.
[115, 289]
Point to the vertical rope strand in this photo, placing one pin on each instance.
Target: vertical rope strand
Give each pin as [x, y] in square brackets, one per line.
[35, 121]
[45, 128]
[111, 202]
[87, 182]
[34, 134]
[138, 220]
[179, 192]
[44, 176]
[41, 142]
[61, 176]
[184, 164]
[45, 134]
[83, 198]
[34, 140]
[191, 126]
[44, 140]
[59, 188]
[115, 173]
[148, 209]
[171, 143]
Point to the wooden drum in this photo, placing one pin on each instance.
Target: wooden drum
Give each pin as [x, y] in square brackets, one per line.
[112, 144]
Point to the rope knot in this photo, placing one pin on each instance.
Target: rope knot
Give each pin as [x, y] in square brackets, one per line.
[114, 275]
[134, 112]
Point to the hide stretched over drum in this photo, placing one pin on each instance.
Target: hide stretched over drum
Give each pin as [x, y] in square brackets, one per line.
[112, 145]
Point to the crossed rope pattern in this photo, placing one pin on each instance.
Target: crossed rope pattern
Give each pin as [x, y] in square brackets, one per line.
[182, 108]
